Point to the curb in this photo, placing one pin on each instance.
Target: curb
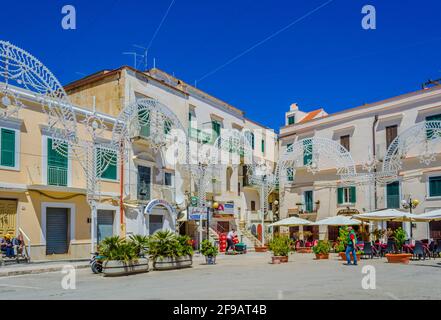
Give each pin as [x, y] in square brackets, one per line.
[37, 271]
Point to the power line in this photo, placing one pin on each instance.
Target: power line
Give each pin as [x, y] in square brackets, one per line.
[264, 40]
[160, 24]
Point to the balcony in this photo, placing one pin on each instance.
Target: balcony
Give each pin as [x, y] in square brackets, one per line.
[57, 176]
[148, 192]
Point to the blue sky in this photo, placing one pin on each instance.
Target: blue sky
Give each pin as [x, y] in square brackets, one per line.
[326, 60]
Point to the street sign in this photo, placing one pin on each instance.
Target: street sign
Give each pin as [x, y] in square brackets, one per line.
[195, 213]
[194, 201]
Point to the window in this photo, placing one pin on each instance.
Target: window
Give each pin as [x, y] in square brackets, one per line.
[291, 120]
[307, 152]
[109, 158]
[253, 205]
[7, 145]
[57, 164]
[436, 117]
[309, 201]
[216, 126]
[167, 126]
[289, 147]
[346, 195]
[393, 195]
[344, 141]
[168, 179]
[435, 186]
[263, 146]
[250, 137]
[391, 134]
[144, 123]
[144, 179]
[290, 174]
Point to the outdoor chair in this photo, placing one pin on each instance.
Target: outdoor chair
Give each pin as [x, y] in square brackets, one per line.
[390, 247]
[431, 249]
[419, 251]
[368, 250]
[437, 251]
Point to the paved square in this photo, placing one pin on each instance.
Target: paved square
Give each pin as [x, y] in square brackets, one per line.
[249, 276]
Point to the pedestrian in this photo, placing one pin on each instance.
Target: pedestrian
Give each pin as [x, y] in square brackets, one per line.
[230, 239]
[351, 248]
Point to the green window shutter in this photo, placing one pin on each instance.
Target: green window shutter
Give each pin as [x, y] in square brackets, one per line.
[216, 127]
[7, 156]
[291, 120]
[252, 141]
[189, 116]
[289, 174]
[57, 164]
[144, 123]
[435, 186]
[429, 132]
[393, 195]
[353, 195]
[340, 195]
[263, 146]
[111, 171]
[167, 126]
[307, 152]
[289, 147]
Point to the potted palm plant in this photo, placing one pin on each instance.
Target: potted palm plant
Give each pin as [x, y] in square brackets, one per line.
[280, 246]
[209, 251]
[399, 236]
[321, 250]
[170, 251]
[122, 256]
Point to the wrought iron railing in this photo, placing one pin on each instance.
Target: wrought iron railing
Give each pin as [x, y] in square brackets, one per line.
[57, 176]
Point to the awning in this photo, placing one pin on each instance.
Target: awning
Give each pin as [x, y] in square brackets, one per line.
[387, 215]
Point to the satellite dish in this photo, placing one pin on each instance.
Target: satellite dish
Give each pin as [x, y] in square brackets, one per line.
[180, 201]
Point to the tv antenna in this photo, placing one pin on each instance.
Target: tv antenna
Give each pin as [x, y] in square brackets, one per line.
[145, 55]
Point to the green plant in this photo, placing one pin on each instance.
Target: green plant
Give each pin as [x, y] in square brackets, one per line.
[322, 247]
[166, 244]
[208, 249]
[280, 246]
[115, 248]
[140, 243]
[399, 237]
[342, 240]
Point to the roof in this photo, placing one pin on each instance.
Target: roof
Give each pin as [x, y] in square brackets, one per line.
[311, 115]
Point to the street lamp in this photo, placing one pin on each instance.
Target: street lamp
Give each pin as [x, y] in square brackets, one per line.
[410, 204]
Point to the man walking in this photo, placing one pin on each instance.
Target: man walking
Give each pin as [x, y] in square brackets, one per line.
[351, 248]
[230, 239]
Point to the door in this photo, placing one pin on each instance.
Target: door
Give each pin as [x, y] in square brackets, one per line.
[8, 217]
[309, 202]
[393, 195]
[104, 224]
[156, 222]
[57, 231]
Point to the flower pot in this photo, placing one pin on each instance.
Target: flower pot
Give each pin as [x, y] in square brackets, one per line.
[122, 268]
[321, 256]
[169, 263]
[279, 259]
[343, 256]
[261, 249]
[398, 258]
[210, 260]
[304, 250]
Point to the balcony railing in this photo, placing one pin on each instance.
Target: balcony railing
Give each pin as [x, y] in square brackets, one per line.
[57, 176]
[156, 191]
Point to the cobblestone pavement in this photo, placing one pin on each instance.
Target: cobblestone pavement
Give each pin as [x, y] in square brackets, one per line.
[249, 276]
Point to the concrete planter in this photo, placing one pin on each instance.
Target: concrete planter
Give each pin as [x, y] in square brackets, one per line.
[399, 258]
[261, 249]
[304, 250]
[170, 263]
[113, 268]
[210, 259]
[279, 259]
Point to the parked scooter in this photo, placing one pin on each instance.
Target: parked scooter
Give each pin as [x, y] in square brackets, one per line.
[96, 263]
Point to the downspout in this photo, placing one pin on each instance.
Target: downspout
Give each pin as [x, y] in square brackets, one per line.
[121, 194]
[374, 152]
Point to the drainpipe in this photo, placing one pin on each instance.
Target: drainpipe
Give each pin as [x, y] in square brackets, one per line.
[374, 125]
[121, 199]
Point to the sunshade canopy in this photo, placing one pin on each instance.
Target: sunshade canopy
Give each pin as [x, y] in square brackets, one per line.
[387, 215]
[337, 221]
[291, 222]
[434, 215]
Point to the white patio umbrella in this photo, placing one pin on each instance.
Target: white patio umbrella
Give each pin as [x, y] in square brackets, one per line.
[387, 215]
[337, 221]
[434, 215]
[291, 222]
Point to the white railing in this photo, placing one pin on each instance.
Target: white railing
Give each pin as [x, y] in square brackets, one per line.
[28, 250]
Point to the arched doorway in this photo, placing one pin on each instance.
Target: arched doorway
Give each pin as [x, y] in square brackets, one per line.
[160, 215]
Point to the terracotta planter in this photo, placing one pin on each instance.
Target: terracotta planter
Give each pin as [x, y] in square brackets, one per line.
[304, 250]
[343, 256]
[321, 256]
[279, 259]
[261, 249]
[113, 268]
[172, 263]
[398, 258]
